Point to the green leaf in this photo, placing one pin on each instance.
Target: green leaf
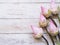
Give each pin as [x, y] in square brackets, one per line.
[58, 43]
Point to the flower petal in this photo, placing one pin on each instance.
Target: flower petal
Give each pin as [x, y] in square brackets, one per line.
[38, 32]
[42, 21]
[45, 11]
[53, 7]
[52, 29]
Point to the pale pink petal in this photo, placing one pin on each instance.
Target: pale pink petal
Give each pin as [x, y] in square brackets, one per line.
[42, 18]
[44, 10]
[52, 28]
[37, 30]
[53, 5]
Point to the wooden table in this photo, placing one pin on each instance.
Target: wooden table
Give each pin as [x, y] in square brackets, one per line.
[16, 16]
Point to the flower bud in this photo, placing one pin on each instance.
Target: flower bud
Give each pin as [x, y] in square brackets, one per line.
[42, 21]
[53, 8]
[38, 32]
[52, 29]
[45, 12]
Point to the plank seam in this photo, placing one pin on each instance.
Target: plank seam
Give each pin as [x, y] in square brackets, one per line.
[18, 33]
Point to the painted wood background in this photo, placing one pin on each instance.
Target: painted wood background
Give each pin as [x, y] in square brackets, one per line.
[16, 16]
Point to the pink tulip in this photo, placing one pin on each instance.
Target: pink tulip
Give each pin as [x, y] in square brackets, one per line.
[45, 12]
[42, 21]
[52, 29]
[53, 6]
[38, 32]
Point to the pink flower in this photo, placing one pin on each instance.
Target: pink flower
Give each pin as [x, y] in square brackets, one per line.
[38, 32]
[52, 29]
[42, 21]
[46, 12]
[53, 7]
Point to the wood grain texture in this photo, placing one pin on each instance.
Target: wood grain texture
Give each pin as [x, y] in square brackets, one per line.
[27, 0]
[37, 0]
[22, 39]
[21, 10]
[16, 16]
[18, 25]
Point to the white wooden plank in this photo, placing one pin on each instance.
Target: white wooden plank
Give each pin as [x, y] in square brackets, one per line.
[21, 39]
[27, 0]
[7, 1]
[17, 25]
[38, 0]
[21, 10]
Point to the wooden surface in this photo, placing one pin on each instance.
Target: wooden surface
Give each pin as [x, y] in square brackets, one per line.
[16, 16]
